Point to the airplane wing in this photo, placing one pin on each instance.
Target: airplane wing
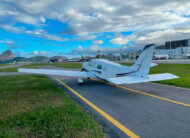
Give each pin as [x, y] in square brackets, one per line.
[134, 79]
[58, 72]
[153, 64]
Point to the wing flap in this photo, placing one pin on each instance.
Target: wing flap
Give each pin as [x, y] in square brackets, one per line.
[134, 79]
[58, 72]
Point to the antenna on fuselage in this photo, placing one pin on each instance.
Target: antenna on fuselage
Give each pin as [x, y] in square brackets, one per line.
[98, 54]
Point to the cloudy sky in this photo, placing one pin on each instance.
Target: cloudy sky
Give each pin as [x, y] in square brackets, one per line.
[75, 27]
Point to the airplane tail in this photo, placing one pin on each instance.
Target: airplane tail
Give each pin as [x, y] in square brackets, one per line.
[141, 70]
[143, 63]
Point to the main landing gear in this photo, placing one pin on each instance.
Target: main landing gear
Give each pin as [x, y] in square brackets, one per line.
[80, 81]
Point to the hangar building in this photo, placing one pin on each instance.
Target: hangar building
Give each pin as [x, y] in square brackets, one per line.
[178, 49]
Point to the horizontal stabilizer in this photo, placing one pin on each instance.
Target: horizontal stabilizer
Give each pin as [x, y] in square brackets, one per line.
[58, 72]
[135, 79]
[153, 64]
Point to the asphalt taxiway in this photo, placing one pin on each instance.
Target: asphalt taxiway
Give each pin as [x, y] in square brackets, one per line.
[136, 110]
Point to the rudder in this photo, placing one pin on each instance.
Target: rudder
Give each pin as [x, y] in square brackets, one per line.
[142, 65]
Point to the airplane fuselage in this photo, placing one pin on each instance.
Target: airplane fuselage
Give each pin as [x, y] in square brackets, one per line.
[106, 69]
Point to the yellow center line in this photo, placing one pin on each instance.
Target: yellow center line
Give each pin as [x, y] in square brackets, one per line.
[132, 90]
[104, 114]
[169, 86]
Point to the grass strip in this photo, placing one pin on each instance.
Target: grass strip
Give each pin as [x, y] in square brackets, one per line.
[33, 106]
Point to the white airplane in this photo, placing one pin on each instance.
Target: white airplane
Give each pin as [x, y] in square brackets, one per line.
[186, 56]
[162, 56]
[113, 72]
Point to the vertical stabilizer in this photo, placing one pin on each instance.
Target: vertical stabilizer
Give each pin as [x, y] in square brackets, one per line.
[142, 65]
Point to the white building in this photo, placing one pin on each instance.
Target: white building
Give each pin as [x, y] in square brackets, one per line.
[178, 49]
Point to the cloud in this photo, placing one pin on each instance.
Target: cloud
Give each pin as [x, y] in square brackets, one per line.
[98, 42]
[27, 19]
[35, 52]
[157, 37]
[40, 52]
[44, 34]
[121, 39]
[8, 42]
[140, 39]
[11, 28]
[43, 20]
[108, 36]
[161, 36]
[37, 33]
[126, 16]
[92, 50]
[84, 37]
[35, 6]
[152, 21]
[12, 44]
[97, 16]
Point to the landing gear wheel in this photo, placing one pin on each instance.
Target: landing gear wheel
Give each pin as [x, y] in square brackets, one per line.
[80, 81]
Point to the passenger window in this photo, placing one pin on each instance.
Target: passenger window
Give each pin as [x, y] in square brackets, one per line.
[99, 67]
[92, 64]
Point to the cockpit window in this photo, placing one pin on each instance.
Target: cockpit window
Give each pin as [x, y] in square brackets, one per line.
[99, 67]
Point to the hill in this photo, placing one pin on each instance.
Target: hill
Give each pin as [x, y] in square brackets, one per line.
[58, 59]
[41, 59]
[7, 55]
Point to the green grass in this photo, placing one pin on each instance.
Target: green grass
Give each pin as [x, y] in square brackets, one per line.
[64, 65]
[33, 106]
[126, 64]
[181, 70]
[1, 65]
[68, 65]
[35, 66]
[15, 69]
